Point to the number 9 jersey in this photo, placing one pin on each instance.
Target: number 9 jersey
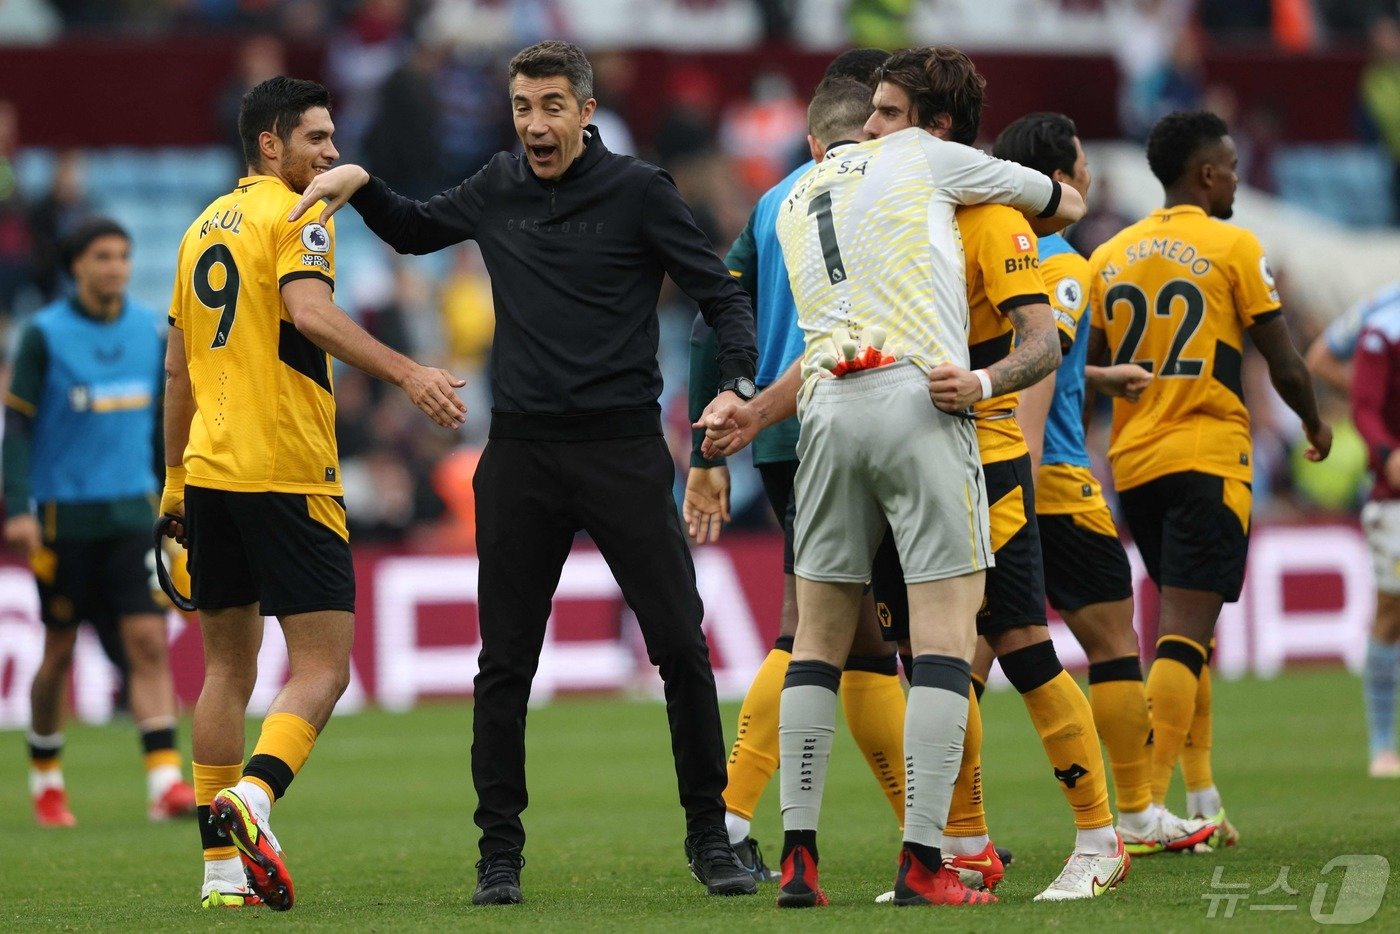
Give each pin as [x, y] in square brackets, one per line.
[1174, 294]
[265, 410]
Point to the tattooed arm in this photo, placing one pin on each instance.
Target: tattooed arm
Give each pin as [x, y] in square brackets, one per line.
[1037, 354]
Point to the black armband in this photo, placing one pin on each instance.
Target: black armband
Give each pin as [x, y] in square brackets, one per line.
[1054, 204]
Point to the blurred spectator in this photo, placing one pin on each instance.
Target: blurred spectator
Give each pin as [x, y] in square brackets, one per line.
[402, 144]
[1159, 60]
[452, 482]
[53, 216]
[1258, 134]
[16, 242]
[758, 133]
[880, 24]
[471, 87]
[25, 22]
[778, 16]
[1352, 18]
[358, 60]
[1380, 97]
[259, 58]
[1101, 221]
[468, 315]
[469, 326]
[687, 129]
[612, 83]
[1236, 19]
[685, 144]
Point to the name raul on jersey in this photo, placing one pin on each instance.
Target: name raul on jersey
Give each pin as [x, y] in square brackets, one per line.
[222, 220]
[1178, 251]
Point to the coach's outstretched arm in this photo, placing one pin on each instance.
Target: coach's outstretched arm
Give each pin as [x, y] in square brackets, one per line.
[406, 225]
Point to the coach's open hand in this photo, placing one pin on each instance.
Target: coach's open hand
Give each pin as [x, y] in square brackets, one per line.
[431, 389]
[952, 388]
[335, 185]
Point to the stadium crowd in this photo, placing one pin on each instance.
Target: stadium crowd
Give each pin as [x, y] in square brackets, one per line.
[416, 104]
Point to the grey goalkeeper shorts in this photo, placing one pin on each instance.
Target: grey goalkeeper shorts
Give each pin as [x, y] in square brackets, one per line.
[874, 450]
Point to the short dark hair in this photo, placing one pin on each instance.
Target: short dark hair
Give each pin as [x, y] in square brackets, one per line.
[551, 58]
[1041, 141]
[939, 79]
[838, 110]
[78, 239]
[1176, 139]
[854, 65]
[276, 106]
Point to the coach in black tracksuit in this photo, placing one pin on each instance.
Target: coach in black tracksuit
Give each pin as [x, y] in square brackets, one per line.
[576, 240]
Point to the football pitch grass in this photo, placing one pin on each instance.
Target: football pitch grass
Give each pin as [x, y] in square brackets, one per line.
[378, 831]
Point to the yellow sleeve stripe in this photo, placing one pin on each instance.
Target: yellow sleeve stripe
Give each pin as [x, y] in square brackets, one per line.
[22, 406]
[737, 274]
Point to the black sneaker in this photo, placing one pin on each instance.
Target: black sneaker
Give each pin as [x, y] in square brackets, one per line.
[714, 865]
[1005, 855]
[751, 858]
[498, 878]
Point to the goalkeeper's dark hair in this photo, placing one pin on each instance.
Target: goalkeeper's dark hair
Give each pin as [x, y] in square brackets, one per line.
[839, 110]
[1040, 141]
[939, 79]
[855, 65]
[276, 106]
[1177, 138]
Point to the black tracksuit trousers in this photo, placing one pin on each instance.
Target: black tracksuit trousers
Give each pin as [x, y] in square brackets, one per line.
[531, 499]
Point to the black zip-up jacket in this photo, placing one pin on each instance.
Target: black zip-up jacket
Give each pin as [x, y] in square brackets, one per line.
[576, 267]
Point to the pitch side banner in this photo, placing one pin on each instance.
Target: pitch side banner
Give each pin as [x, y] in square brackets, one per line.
[1308, 597]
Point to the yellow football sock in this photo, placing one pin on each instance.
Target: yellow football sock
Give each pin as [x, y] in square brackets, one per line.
[283, 747]
[209, 780]
[160, 757]
[967, 816]
[874, 706]
[1171, 700]
[754, 758]
[1119, 702]
[1065, 722]
[1195, 752]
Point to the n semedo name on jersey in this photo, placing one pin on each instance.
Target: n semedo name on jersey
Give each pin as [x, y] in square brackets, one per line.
[1178, 251]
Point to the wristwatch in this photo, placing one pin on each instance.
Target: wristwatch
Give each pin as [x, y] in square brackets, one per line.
[741, 386]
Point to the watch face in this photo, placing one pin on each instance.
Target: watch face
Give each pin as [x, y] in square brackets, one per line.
[745, 387]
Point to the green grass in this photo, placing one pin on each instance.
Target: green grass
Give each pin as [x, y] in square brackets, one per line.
[379, 834]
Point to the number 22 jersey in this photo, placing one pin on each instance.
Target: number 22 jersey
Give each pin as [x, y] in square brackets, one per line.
[1174, 294]
[265, 418]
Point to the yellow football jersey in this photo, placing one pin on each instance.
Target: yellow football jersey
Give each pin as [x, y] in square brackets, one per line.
[1174, 294]
[1003, 272]
[265, 419]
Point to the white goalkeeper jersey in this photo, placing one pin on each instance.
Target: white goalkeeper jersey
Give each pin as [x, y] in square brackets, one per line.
[870, 240]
